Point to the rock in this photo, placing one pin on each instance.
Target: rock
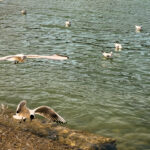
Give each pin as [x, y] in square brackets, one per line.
[38, 135]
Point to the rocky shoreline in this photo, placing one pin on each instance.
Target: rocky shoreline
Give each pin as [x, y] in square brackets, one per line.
[42, 135]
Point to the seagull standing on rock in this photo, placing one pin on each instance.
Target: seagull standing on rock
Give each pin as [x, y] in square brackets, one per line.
[23, 113]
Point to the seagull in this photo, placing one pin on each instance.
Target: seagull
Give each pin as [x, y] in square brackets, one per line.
[24, 12]
[23, 113]
[107, 55]
[118, 46]
[21, 57]
[67, 24]
[138, 28]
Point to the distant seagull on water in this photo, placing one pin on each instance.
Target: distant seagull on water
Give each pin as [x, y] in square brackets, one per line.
[24, 12]
[138, 28]
[107, 55]
[67, 24]
[118, 46]
[23, 113]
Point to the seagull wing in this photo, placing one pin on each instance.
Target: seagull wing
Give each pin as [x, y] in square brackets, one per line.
[20, 106]
[3, 58]
[33, 56]
[49, 113]
[13, 57]
[54, 57]
[6, 57]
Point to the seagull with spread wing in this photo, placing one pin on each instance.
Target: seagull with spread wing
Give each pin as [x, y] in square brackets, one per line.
[23, 113]
[19, 58]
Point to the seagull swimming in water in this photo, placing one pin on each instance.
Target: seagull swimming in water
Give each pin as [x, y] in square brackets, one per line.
[24, 12]
[23, 113]
[107, 55]
[19, 58]
[67, 24]
[118, 46]
[138, 28]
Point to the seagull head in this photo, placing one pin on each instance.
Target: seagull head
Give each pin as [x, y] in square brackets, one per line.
[24, 57]
[31, 116]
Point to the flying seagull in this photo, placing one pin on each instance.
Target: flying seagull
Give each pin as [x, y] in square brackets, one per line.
[23, 113]
[21, 57]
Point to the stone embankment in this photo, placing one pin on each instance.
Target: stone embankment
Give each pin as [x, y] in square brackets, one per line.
[41, 135]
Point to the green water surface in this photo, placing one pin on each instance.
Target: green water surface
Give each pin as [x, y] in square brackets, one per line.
[106, 97]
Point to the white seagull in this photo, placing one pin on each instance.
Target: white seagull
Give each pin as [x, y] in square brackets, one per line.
[23, 113]
[118, 46]
[21, 57]
[107, 55]
[138, 28]
[67, 24]
[24, 12]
